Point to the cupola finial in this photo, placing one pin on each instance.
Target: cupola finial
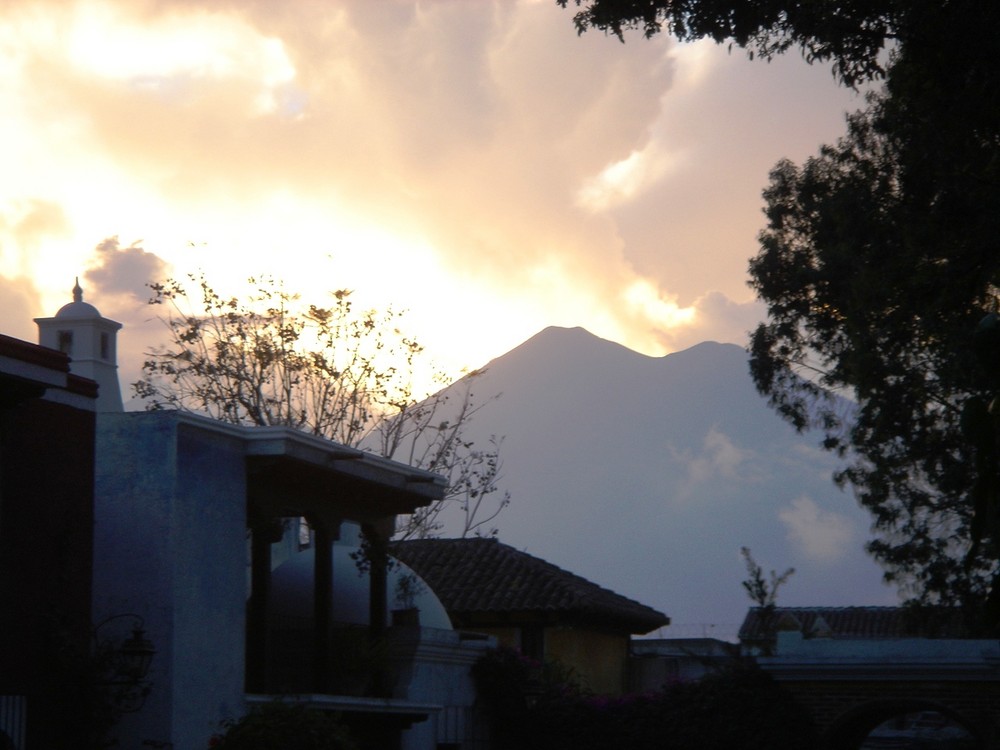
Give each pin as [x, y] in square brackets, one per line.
[77, 291]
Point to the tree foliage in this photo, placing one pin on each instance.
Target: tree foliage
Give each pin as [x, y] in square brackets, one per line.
[880, 266]
[851, 34]
[330, 371]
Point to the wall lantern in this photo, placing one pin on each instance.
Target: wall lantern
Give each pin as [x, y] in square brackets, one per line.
[135, 654]
[123, 662]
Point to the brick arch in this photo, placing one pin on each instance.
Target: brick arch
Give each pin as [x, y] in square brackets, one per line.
[849, 729]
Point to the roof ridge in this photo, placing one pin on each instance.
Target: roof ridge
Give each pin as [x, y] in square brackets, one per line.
[842, 606]
[469, 575]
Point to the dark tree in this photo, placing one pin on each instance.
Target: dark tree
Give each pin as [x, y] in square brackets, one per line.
[879, 264]
[852, 34]
[880, 267]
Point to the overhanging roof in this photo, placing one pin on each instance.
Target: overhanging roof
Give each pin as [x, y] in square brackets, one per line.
[481, 581]
[290, 472]
[30, 370]
[287, 463]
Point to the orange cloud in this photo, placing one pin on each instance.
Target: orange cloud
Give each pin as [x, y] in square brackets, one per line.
[438, 153]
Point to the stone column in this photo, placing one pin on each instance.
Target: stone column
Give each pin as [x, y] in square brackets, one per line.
[262, 535]
[325, 532]
[377, 541]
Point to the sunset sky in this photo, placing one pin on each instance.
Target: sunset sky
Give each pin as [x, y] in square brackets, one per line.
[475, 163]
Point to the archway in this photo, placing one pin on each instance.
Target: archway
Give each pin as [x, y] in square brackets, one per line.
[903, 724]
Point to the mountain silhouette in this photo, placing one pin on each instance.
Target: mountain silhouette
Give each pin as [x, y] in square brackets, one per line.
[647, 475]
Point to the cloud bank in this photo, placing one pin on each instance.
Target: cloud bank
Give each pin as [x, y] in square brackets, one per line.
[477, 163]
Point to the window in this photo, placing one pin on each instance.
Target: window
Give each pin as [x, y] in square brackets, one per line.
[66, 342]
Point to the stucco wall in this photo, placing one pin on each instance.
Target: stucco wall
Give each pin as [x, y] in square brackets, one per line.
[438, 670]
[598, 658]
[170, 546]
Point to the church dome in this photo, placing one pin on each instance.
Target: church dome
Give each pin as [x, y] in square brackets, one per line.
[292, 590]
[78, 309]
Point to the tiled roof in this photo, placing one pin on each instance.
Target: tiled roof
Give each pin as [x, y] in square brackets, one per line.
[482, 578]
[850, 622]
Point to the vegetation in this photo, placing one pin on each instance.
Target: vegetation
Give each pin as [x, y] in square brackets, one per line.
[283, 726]
[764, 593]
[532, 707]
[879, 266]
[852, 35]
[408, 588]
[328, 370]
[880, 269]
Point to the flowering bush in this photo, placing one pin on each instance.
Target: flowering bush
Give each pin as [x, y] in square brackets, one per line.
[738, 709]
[283, 726]
[501, 677]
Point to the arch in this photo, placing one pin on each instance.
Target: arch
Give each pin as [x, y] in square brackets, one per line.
[850, 729]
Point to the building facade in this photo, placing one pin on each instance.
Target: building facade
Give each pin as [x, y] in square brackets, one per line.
[157, 535]
[47, 428]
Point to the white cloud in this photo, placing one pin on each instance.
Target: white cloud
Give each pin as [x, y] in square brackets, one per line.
[104, 40]
[623, 180]
[718, 458]
[712, 317]
[125, 270]
[818, 534]
[662, 311]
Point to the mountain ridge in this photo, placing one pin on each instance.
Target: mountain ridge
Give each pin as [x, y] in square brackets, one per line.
[647, 475]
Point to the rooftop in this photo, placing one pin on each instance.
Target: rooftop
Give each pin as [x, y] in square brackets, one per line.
[478, 578]
[851, 622]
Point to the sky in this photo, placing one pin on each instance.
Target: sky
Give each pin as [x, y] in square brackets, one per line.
[475, 164]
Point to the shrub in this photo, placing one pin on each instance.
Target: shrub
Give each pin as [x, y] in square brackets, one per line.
[740, 708]
[501, 677]
[283, 726]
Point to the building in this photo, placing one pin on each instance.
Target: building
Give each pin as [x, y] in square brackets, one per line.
[532, 605]
[656, 662]
[47, 422]
[90, 340]
[879, 677]
[760, 628]
[161, 533]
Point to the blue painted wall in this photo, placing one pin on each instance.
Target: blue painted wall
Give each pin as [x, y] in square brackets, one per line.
[170, 546]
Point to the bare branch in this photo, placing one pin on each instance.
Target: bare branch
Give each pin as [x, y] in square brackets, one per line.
[331, 371]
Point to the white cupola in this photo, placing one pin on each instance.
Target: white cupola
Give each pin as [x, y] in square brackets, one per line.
[90, 341]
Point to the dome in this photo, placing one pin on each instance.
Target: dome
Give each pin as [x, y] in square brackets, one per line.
[292, 590]
[78, 309]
